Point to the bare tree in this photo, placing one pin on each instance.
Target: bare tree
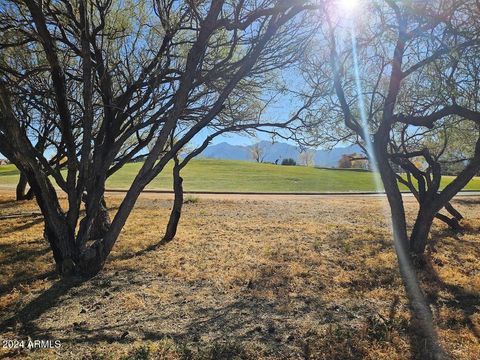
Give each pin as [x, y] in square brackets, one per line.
[307, 157]
[257, 152]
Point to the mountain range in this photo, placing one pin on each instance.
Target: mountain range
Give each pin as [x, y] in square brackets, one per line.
[277, 151]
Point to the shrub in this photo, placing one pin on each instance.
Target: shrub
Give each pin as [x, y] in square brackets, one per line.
[190, 199]
[289, 162]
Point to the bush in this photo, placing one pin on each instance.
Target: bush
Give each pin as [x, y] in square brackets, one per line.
[289, 162]
[190, 199]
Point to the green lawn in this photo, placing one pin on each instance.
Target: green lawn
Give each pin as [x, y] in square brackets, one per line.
[223, 175]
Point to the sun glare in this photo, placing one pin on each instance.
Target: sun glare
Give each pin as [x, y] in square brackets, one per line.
[348, 5]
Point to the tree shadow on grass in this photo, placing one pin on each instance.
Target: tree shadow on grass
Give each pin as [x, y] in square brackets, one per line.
[25, 226]
[232, 320]
[18, 255]
[8, 204]
[146, 251]
[254, 316]
[24, 277]
[23, 320]
[433, 286]
[242, 318]
[233, 324]
[468, 201]
[463, 300]
[12, 257]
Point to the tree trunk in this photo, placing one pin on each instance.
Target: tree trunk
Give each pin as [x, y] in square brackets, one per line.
[101, 222]
[177, 206]
[423, 225]
[90, 253]
[421, 229]
[62, 249]
[454, 212]
[91, 258]
[21, 192]
[453, 223]
[57, 232]
[86, 260]
[422, 319]
[394, 196]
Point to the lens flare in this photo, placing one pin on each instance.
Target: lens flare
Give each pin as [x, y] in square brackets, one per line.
[414, 291]
[348, 5]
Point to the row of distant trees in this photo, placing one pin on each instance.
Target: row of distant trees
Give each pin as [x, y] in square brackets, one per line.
[451, 166]
[258, 154]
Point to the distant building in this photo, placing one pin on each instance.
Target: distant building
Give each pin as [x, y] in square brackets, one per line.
[4, 162]
[353, 161]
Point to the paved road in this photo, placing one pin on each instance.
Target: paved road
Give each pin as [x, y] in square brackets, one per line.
[276, 196]
[345, 193]
[5, 189]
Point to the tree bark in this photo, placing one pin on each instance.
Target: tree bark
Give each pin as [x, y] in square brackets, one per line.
[21, 191]
[100, 223]
[57, 231]
[91, 256]
[421, 229]
[176, 212]
[63, 255]
[453, 223]
[454, 212]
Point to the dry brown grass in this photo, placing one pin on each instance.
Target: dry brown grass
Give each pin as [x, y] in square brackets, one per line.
[256, 279]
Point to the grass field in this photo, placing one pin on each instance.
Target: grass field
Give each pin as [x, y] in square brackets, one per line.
[242, 280]
[224, 175]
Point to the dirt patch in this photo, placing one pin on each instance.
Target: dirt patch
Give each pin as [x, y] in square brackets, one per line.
[248, 278]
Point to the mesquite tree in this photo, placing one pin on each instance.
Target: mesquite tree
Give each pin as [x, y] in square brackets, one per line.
[420, 154]
[401, 79]
[119, 82]
[403, 66]
[38, 125]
